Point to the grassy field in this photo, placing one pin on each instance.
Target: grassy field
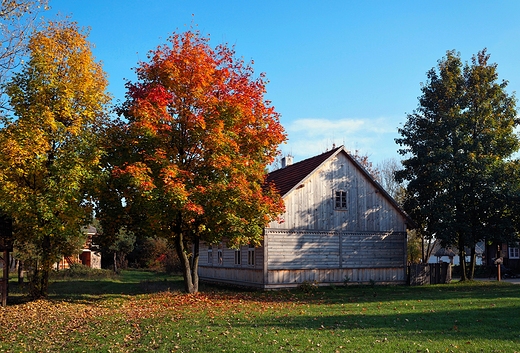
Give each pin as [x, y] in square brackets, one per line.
[145, 312]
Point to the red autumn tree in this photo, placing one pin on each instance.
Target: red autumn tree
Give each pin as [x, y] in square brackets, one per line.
[191, 155]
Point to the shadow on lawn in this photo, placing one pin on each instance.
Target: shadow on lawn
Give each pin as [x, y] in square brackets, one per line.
[94, 289]
[89, 288]
[463, 325]
[454, 291]
[142, 282]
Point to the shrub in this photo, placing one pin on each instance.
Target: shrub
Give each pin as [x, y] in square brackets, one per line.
[82, 271]
[308, 286]
[159, 255]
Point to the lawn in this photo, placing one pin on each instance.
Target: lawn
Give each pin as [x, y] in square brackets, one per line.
[144, 312]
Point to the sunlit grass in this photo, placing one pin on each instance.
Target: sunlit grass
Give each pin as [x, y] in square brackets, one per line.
[469, 317]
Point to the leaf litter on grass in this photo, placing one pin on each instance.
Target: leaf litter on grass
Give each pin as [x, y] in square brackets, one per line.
[267, 322]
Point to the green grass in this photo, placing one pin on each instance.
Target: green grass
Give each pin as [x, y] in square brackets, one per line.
[145, 312]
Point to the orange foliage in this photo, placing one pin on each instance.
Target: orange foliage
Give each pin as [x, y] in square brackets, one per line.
[201, 136]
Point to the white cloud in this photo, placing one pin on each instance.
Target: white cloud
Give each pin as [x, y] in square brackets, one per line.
[312, 136]
[317, 127]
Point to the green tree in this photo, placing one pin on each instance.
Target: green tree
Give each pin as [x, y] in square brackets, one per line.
[48, 149]
[123, 246]
[458, 144]
[190, 159]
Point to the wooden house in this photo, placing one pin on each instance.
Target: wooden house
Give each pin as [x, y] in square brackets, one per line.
[89, 255]
[509, 252]
[339, 225]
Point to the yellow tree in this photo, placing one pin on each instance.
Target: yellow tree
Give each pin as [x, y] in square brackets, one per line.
[48, 147]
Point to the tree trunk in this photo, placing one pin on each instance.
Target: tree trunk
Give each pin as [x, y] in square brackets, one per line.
[115, 262]
[191, 282]
[472, 263]
[462, 257]
[423, 254]
[195, 264]
[39, 280]
[44, 281]
[12, 263]
[20, 272]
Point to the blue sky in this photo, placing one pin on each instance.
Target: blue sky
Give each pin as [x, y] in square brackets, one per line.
[342, 72]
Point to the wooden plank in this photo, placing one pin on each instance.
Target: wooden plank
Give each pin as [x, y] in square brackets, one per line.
[336, 276]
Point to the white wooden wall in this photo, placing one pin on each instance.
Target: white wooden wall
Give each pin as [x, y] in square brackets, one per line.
[288, 249]
[316, 242]
[311, 205]
[292, 257]
[289, 258]
[227, 271]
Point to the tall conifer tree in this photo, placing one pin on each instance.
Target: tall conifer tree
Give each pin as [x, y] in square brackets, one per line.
[458, 146]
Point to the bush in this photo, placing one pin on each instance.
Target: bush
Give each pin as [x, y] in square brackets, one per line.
[82, 271]
[159, 255]
[308, 286]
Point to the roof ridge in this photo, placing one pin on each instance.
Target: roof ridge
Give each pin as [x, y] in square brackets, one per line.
[331, 152]
[285, 179]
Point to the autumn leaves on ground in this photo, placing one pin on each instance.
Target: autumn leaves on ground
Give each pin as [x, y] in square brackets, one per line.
[156, 316]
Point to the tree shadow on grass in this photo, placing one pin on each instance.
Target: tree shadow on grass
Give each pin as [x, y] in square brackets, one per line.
[101, 288]
[130, 283]
[365, 293]
[463, 325]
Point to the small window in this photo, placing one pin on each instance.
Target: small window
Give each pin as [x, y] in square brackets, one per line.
[238, 257]
[251, 255]
[514, 253]
[219, 256]
[340, 200]
[210, 254]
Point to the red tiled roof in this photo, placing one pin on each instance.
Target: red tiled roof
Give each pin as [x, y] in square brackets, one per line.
[287, 178]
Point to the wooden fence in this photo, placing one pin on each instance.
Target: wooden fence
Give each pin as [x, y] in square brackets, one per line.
[420, 274]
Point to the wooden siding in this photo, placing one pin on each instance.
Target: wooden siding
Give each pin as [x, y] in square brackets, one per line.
[297, 256]
[289, 249]
[227, 271]
[293, 278]
[290, 258]
[228, 256]
[239, 276]
[299, 250]
[311, 204]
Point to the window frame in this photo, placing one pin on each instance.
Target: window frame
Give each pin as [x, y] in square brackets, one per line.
[340, 200]
[210, 254]
[238, 257]
[513, 252]
[251, 255]
[220, 257]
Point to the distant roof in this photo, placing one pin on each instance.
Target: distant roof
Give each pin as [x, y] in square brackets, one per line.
[446, 252]
[285, 179]
[89, 229]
